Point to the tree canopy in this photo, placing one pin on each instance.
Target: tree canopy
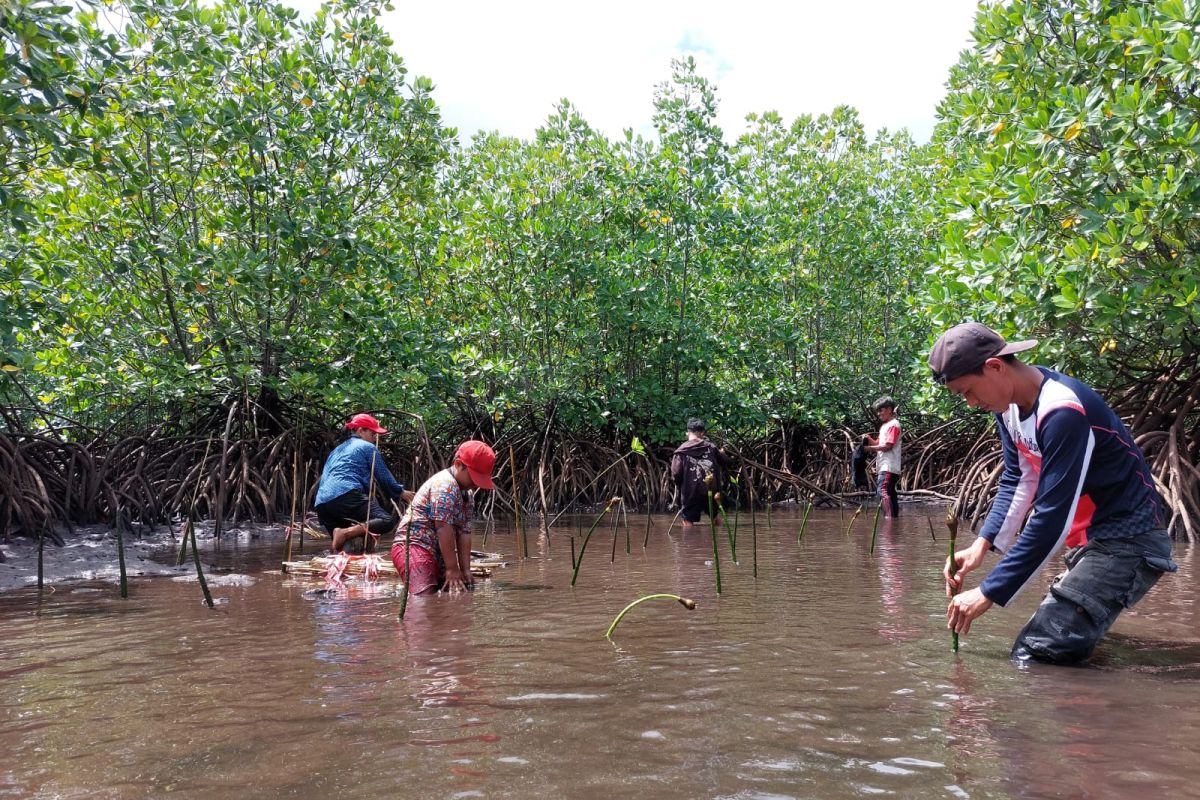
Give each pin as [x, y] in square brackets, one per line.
[215, 198]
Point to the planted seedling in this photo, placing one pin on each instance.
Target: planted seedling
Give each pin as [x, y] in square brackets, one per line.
[690, 605]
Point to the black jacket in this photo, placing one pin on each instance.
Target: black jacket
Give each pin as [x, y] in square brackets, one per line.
[858, 463]
[692, 462]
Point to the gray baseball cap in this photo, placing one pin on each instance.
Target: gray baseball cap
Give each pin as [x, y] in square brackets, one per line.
[965, 347]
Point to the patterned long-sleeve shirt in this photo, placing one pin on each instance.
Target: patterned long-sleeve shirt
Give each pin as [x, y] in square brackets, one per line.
[1074, 462]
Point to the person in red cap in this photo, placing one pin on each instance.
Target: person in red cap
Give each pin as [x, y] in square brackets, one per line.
[1073, 477]
[353, 476]
[437, 525]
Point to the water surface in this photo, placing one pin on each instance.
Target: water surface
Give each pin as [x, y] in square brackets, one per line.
[830, 676]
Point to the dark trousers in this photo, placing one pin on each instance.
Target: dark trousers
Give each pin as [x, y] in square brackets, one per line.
[698, 504]
[351, 508]
[887, 492]
[1103, 578]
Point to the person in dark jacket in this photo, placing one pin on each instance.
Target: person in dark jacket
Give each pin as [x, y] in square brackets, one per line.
[353, 478]
[698, 466]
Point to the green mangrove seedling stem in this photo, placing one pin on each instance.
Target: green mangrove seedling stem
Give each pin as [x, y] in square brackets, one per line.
[875, 527]
[583, 546]
[804, 523]
[690, 605]
[712, 524]
[853, 517]
[407, 567]
[952, 524]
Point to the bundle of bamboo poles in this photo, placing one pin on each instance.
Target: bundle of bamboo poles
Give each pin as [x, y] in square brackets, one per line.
[482, 566]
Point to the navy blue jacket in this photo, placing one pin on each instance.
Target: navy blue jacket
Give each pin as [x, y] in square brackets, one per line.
[1075, 463]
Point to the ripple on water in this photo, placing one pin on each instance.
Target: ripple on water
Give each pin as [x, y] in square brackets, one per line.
[520, 698]
[776, 765]
[512, 760]
[889, 769]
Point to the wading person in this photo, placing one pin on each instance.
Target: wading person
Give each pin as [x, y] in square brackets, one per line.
[437, 524]
[1069, 456]
[353, 477]
[698, 466]
[887, 448]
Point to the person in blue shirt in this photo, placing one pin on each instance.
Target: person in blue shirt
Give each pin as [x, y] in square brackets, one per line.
[1069, 458]
[353, 478]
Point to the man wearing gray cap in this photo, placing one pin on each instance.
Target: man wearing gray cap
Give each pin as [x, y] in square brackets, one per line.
[1069, 457]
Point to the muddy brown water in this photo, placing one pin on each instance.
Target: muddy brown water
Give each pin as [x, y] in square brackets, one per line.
[830, 676]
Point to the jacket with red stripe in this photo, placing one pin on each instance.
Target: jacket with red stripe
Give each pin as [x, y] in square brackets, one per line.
[1075, 463]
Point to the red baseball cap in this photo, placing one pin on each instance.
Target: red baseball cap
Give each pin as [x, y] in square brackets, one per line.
[479, 459]
[365, 421]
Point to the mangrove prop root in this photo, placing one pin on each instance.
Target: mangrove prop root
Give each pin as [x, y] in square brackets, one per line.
[191, 529]
[243, 456]
[690, 605]
[121, 557]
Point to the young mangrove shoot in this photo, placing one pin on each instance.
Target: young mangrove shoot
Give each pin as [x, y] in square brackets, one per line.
[616, 518]
[753, 527]
[768, 505]
[875, 527]
[804, 522]
[719, 502]
[583, 546]
[853, 517]
[287, 539]
[635, 448]
[690, 605]
[737, 507]
[952, 525]
[649, 522]
[407, 567]
[712, 524]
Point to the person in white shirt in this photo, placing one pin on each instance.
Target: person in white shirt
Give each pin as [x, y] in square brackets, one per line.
[887, 446]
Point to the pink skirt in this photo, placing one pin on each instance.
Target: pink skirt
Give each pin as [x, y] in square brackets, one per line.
[424, 577]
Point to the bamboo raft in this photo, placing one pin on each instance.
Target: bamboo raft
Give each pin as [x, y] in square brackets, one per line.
[482, 566]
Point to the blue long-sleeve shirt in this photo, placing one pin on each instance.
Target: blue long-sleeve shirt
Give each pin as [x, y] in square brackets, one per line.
[349, 467]
[1075, 463]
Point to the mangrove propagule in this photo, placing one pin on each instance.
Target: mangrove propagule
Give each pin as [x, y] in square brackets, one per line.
[689, 604]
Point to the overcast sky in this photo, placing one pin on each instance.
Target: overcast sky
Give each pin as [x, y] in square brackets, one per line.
[504, 65]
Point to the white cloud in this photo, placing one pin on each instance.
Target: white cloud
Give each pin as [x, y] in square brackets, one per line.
[505, 65]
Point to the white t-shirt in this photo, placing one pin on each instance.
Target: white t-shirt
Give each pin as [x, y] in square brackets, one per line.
[889, 460]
